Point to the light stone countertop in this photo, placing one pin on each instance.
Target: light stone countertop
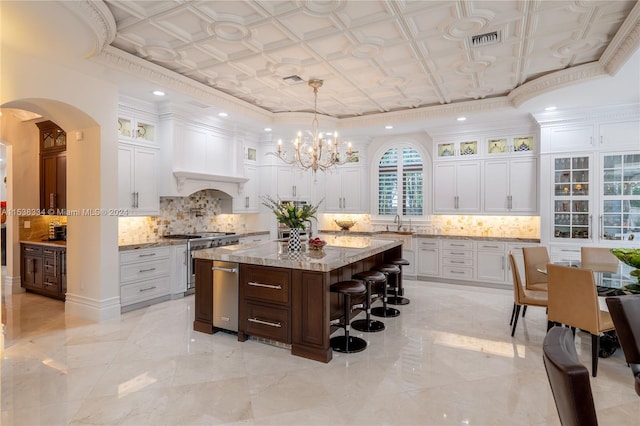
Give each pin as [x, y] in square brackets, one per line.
[52, 243]
[340, 251]
[163, 242]
[443, 236]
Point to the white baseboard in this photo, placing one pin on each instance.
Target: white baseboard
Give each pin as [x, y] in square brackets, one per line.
[92, 309]
[11, 285]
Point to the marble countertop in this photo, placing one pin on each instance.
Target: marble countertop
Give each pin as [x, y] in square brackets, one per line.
[340, 250]
[55, 243]
[159, 241]
[420, 235]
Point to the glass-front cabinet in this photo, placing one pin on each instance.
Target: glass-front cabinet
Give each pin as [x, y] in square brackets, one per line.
[572, 198]
[509, 145]
[620, 218]
[467, 149]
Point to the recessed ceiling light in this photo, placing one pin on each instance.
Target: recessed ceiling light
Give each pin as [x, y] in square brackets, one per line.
[388, 127]
[461, 118]
[267, 129]
[158, 92]
[550, 108]
[223, 114]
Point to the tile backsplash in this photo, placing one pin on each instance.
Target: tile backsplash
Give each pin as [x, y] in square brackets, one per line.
[38, 226]
[201, 211]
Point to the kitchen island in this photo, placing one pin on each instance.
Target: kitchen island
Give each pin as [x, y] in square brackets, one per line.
[284, 297]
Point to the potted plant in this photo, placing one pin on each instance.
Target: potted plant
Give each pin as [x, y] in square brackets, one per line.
[293, 216]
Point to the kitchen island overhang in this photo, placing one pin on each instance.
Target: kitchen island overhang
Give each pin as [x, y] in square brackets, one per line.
[285, 296]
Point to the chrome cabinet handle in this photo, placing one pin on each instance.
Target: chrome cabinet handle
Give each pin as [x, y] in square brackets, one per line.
[231, 270]
[272, 286]
[47, 283]
[269, 323]
[246, 202]
[147, 289]
[147, 270]
[133, 200]
[456, 261]
[146, 255]
[457, 253]
[590, 226]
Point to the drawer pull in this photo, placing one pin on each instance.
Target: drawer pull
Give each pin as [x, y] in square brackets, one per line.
[148, 288]
[147, 270]
[49, 284]
[48, 251]
[231, 270]
[456, 272]
[272, 286]
[146, 255]
[457, 253]
[495, 247]
[457, 245]
[457, 261]
[269, 323]
[30, 249]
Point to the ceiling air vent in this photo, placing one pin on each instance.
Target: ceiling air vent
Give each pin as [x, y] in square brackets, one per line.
[485, 39]
[293, 79]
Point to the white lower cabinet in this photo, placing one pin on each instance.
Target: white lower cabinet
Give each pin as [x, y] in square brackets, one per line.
[563, 252]
[516, 250]
[179, 260]
[428, 257]
[457, 259]
[145, 277]
[491, 262]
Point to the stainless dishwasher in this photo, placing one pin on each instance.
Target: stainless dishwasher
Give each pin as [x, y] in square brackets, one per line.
[225, 295]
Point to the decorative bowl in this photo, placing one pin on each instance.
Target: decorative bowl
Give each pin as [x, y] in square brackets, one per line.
[631, 257]
[345, 225]
[317, 245]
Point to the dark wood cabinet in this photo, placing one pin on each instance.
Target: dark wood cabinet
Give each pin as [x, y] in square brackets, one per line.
[44, 269]
[203, 314]
[53, 168]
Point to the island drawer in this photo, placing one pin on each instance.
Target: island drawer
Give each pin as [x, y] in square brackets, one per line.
[268, 321]
[266, 284]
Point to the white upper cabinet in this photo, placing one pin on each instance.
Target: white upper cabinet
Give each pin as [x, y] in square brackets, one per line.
[293, 183]
[620, 135]
[457, 187]
[247, 201]
[511, 186]
[137, 130]
[461, 149]
[343, 190]
[509, 145]
[137, 180]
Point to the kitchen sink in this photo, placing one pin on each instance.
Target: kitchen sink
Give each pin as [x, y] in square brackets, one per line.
[404, 236]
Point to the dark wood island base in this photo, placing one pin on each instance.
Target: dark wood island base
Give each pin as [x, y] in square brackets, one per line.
[285, 304]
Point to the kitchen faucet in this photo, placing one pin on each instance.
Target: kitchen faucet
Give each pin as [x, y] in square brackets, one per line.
[399, 220]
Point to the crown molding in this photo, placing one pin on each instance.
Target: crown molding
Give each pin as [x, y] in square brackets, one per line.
[626, 112]
[624, 44]
[98, 18]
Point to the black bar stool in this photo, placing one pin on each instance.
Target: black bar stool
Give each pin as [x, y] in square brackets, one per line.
[347, 344]
[384, 311]
[369, 325]
[398, 290]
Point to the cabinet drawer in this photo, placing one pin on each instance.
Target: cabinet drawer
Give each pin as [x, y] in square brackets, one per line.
[144, 270]
[459, 273]
[31, 250]
[563, 254]
[492, 246]
[51, 285]
[49, 252]
[267, 284]
[268, 321]
[458, 245]
[458, 253]
[428, 243]
[144, 290]
[458, 261]
[130, 256]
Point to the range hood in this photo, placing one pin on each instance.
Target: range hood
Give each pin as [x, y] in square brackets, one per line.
[189, 182]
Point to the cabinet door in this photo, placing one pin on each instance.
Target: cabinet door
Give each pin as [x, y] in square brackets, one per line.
[496, 186]
[491, 266]
[145, 180]
[523, 185]
[570, 138]
[572, 197]
[468, 186]
[125, 177]
[351, 181]
[179, 273]
[428, 261]
[285, 178]
[444, 191]
[618, 135]
[247, 201]
[53, 183]
[333, 192]
[32, 271]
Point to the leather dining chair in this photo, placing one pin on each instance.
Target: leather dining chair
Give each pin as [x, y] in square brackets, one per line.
[625, 312]
[598, 259]
[522, 296]
[568, 378]
[534, 257]
[573, 301]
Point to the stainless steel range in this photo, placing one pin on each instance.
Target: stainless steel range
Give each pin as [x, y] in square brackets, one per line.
[200, 241]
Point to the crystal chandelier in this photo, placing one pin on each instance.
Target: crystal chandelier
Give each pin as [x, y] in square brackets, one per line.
[313, 150]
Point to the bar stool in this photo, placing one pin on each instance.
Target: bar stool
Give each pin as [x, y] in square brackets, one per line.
[369, 325]
[347, 344]
[398, 290]
[384, 311]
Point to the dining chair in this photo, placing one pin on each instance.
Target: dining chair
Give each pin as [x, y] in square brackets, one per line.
[598, 259]
[522, 296]
[568, 378]
[625, 312]
[534, 257]
[573, 301]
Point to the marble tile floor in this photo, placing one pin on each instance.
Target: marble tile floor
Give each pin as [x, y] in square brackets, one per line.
[448, 359]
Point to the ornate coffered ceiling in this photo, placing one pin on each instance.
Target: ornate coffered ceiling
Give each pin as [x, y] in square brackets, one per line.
[375, 56]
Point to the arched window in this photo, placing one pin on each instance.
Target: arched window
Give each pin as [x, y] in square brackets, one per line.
[400, 183]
